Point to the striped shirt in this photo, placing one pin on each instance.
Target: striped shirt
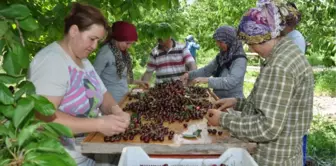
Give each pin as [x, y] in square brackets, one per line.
[169, 65]
[279, 110]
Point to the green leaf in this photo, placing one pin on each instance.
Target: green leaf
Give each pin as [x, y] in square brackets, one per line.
[7, 111]
[22, 110]
[26, 133]
[2, 45]
[6, 96]
[28, 87]
[43, 105]
[8, 142]
[16, 11]
[51, 145]
[47, 159]
[3, 130]
[22, 56]
[28, 164]
[61, 129]
[28, 24]
[11, 66]
[5, 162]
[11, 129]
[8, 79]
[18, 94]
[3, 28]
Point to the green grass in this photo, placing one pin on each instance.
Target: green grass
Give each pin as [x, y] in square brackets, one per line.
[325, 83]
[322, 140]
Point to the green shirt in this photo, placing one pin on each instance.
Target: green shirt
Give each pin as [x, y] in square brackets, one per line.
[279, 109]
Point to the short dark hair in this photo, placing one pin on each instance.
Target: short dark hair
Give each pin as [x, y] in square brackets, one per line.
[84, 16]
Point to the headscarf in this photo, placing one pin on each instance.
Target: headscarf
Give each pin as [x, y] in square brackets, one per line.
[123, 59]
[261, 24]
[122, 31]
[290, 14]
[228, 35]
[190, 38]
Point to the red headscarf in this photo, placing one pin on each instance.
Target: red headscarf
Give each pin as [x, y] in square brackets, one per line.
[124, 31]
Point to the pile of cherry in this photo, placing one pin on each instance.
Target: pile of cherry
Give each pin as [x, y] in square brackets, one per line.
[167, 102]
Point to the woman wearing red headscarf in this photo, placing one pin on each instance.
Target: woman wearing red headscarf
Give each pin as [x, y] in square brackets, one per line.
[113, 62]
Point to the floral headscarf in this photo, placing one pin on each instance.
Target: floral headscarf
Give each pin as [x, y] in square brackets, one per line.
[290, 14]
[261, 24]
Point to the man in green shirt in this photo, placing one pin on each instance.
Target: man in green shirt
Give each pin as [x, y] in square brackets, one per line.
[279, 109]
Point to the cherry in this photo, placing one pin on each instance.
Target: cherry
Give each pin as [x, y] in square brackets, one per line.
[171, 133]
[222, 165]
[210, 115]
[185, 125]
[214, 131]
[209, 131]
[220, 132]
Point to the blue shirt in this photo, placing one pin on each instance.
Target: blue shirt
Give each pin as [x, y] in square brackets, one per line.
[298, 39]
[192, 47]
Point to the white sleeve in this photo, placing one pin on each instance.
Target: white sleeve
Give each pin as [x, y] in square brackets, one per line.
[49, 73]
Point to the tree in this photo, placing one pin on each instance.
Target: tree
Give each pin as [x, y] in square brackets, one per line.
[23, 138]
[318, 26]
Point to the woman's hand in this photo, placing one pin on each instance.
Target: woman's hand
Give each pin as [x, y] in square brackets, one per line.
[226, 103]
[213, 116]
[126, 116]
[112, 124]
[184, 78]
[200, 80]
[142, 84]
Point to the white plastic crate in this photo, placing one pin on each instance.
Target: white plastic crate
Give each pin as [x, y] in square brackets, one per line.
[136, 156]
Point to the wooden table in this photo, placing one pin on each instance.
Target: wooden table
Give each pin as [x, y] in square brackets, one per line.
[206, 144]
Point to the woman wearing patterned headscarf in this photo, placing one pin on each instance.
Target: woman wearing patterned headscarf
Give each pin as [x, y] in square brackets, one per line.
[113, 62]
[279, 109]
[292, 17]
[227, 69]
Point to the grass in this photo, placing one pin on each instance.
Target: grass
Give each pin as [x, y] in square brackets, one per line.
[325, 83]
[322, 140]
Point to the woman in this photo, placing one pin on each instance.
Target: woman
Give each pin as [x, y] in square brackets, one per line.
[62, 73]
[292, 17]
[227, 69]
[113, 62]
[279, 109]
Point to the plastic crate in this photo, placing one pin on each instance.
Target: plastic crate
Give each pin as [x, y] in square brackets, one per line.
[136, 156]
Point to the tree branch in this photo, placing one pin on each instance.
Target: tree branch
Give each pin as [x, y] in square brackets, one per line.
[20, 33]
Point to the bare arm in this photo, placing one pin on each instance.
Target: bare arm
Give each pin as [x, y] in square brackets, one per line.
[147, 76]
[191, 66]
[109, 105]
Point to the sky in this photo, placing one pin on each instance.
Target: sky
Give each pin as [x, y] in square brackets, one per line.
[190, 1]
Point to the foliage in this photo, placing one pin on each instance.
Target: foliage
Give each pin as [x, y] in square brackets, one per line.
[24, 140]
[322, 140]
[318, 26]
[325, 82]
[205, 16]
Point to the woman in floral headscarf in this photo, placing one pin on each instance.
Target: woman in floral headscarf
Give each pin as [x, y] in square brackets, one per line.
[113, 62]
[292, 17]
[279, 109]
[227, 69]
